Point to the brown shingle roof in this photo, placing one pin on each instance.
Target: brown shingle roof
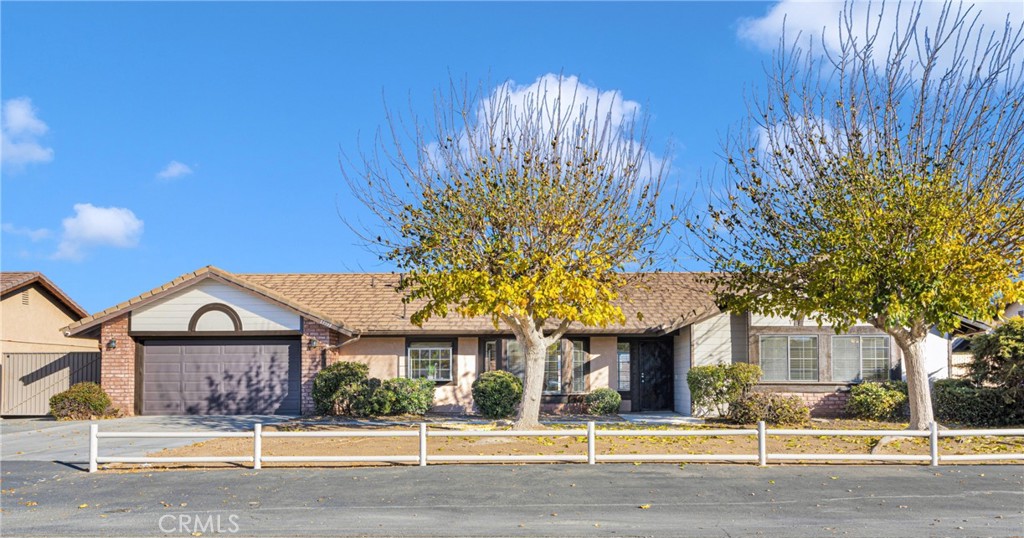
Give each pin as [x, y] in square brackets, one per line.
[368, 302]
[654, 303]
[13, 281]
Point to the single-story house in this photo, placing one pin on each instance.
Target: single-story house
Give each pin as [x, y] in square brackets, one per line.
[37, 359]
[212, 342]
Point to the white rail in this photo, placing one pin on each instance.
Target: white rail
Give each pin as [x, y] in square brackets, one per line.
[591, 434]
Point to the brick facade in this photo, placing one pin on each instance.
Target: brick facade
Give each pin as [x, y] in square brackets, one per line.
[823, 404]
[117, 365]
[312, 359]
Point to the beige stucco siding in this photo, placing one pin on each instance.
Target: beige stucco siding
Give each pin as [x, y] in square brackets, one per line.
[32, 319]
[604, 366]
[381, 354]
[457, 397]
[174, 313]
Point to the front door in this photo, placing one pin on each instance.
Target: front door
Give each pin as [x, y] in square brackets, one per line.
[652, 378]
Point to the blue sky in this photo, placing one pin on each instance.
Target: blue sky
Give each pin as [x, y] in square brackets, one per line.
[145, 140]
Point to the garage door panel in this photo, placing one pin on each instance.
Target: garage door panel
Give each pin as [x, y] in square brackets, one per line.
[226, 377]
[162, 367]
[202, 367]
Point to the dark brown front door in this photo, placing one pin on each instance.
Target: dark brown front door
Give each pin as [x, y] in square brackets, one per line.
[652, 377]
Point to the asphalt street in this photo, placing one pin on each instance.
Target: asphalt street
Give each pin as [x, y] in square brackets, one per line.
[53, 499]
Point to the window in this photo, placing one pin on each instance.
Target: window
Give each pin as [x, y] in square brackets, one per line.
[860, 358]
[491, 355]
[789, 358]
[623, 359]
[579, 367]
[430, 360]
[515, 362]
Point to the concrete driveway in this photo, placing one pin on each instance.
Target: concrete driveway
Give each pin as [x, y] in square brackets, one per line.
[45, 439]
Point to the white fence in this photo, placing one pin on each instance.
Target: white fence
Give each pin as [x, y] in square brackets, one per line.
[762, 457]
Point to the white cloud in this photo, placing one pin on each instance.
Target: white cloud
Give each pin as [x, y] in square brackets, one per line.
[174, 169]
[574, 101]
[93, 226]
[820, 20]
[33, 234]
[20, 130]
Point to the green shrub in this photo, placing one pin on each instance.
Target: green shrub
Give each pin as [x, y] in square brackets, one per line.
[497, 394]
[877, 401]
[603, 401]
[959, 401]
[80, 402]
[998, 363]
[409, 396]
[775, 409]
[714, 387]
[334, 387]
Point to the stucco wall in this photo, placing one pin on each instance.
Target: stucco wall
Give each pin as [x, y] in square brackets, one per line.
[381, 354]
[457, 397]
[35, 327]
[604, 366]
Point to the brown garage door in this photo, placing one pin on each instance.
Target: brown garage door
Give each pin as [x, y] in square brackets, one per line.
[220, 377]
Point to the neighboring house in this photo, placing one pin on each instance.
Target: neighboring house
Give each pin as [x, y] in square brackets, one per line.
[217, 342]
[36, 358]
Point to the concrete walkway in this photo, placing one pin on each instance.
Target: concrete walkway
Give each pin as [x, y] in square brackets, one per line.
[661, 418]
[45, 439]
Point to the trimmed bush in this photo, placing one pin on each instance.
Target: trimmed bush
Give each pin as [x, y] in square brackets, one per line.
[603, 401]
[398, 396]
[497, 394]
[878, 401]
[335, 387]
[714, 387]
[959, 401]
[774, 409]
[998, 364]
[80, 402]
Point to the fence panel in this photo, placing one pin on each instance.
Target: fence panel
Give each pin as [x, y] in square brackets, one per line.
[30, 379]
[592, 456]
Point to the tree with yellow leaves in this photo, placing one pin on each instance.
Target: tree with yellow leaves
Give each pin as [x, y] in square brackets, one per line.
[879, 179]
[524, 206]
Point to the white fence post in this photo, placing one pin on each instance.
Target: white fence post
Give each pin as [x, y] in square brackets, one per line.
[591, 444]
[934, 442]
[94, 447]
[423, 444]
[257, 446]
[762, 445]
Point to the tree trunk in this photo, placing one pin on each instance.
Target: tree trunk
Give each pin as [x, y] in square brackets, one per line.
[533, 386]
[918, 390]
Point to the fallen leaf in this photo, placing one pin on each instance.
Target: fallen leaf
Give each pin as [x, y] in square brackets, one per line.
[83, 506]
[644, 506]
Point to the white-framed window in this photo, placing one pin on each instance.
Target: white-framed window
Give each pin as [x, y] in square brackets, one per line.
[515, 362]
[860, 358]
[789, 358]
[623, 360]
[430, 360]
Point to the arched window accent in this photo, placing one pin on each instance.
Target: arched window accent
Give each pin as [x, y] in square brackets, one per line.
[236, 321]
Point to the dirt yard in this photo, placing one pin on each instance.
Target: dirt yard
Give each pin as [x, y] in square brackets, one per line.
[574, 445]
